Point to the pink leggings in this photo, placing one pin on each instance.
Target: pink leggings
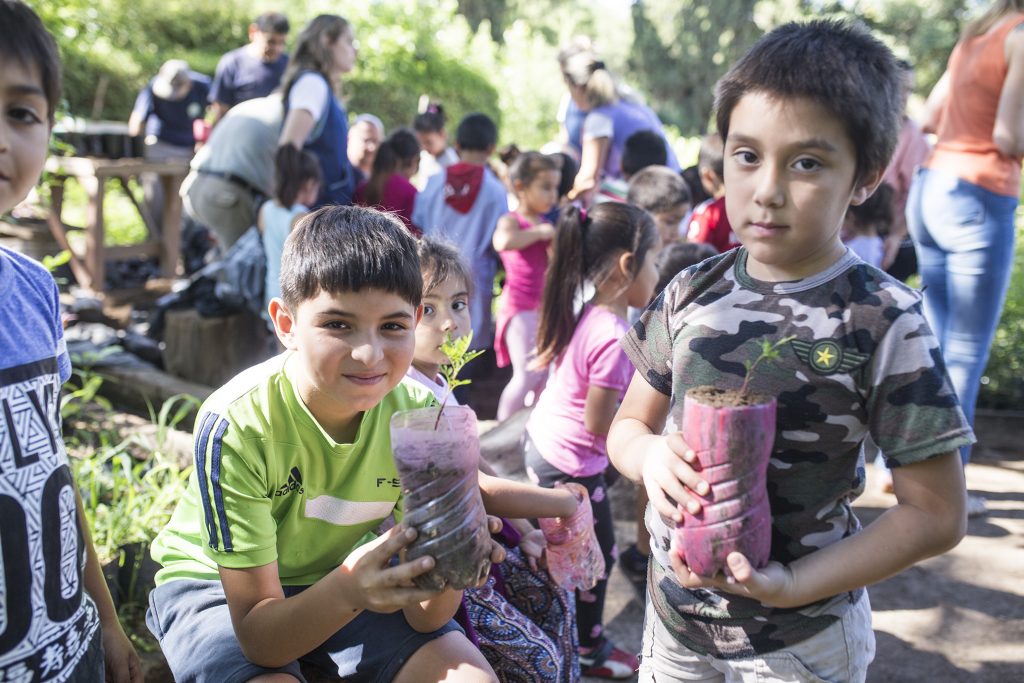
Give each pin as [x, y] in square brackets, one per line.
[521, 338]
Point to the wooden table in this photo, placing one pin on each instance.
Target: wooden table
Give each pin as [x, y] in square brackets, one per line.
[92, 173]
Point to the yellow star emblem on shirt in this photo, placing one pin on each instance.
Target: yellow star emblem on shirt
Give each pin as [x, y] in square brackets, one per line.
[824, 357]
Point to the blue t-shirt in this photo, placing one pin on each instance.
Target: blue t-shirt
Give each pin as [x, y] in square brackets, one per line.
[48, 619]
[170, 121]
[240, 76]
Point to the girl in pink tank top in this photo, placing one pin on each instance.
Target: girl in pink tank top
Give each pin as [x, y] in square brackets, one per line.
[522, 239]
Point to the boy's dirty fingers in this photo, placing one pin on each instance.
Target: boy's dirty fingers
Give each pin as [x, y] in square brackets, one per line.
[494, 524]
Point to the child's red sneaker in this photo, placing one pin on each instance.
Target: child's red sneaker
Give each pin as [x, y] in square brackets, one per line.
[607, 661]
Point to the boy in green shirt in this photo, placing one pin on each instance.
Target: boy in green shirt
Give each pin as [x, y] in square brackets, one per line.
[265, 560]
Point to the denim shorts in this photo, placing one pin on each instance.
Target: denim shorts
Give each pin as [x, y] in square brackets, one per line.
[842, 652]
[190, 619]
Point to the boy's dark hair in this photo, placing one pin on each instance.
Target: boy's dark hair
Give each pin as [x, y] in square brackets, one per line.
[24, 38]
[680, 255]
[712, 154]
[876, 211]
[341, 249]
[293, 168]
[698, 195]
[587, 247]
[657, 189]
[838, 65]
[440, 260]
[568, 168]
[642, 149]
[272, 22]
[430, 120]
[476, 132]
[528, 165]
[400, 147]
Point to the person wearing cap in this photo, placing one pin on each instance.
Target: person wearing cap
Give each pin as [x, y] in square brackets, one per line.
[164, 112]
[363, 140]
[253, 70]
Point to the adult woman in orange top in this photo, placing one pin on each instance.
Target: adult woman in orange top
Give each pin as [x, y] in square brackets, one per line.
[961, 206]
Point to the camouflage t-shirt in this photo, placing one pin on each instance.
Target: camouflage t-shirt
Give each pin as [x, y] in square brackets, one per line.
[862, 362]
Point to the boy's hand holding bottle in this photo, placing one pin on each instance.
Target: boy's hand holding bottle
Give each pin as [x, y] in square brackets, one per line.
[670, 478]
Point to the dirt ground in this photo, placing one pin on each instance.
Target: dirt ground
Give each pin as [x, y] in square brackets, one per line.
[957, 617]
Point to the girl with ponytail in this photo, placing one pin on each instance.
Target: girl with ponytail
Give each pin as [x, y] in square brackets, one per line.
[388, 187]
[610, 252]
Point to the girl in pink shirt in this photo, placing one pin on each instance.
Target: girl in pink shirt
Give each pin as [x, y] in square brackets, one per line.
[521, 240]
[611, 251]
[388, 187]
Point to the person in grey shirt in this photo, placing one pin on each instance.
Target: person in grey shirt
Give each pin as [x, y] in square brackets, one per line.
[232, 174]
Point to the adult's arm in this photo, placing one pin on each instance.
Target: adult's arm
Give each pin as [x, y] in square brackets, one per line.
[297, 126]
[595, 152]
[935, 104]
[1008, 132]
[140, 112]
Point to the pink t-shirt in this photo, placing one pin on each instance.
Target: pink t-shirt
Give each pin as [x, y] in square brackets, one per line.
[593, 358]
[525, 270]
[397, 196]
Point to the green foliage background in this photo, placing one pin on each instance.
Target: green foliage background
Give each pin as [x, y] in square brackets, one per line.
[499, 57]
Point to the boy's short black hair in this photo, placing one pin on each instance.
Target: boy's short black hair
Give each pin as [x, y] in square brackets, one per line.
[678, 256]
[642, 149]
[712, 154]
[272, 22]
[24, 38]
[835, 63]
[347, 249]
[476, 132]
[657, 189]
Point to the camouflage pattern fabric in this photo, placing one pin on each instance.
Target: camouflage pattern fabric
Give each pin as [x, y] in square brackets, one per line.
[862, 361]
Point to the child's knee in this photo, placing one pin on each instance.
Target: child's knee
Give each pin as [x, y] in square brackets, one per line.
[450, 658]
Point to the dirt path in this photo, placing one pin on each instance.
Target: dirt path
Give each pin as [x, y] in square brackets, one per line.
[958, 617]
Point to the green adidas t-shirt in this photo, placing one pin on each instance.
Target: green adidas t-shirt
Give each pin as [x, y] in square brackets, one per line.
[270, 484]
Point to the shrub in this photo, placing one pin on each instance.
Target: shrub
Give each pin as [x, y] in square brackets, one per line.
[1003, 382]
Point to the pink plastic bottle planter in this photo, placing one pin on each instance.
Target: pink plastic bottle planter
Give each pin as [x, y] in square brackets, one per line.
[732, 436]
[438, 469]
[574, 555]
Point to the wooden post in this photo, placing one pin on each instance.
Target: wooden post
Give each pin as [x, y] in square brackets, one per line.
[170, 228]
[95, 258]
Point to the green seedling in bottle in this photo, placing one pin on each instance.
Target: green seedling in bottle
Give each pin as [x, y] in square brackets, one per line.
[458, 354]
[769, 352]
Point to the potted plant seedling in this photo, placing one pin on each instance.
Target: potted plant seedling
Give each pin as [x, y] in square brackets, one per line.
[732, 433]
[437, 453]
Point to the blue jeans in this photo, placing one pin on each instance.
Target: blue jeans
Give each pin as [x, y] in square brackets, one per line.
[964, 235]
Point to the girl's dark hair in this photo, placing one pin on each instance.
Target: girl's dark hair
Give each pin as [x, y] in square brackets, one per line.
[569, 168]
[876, 210]
[340, 249]
[430, 120]
[528, 165]
[587, 247]
[399, 148]
[293, 168]
[440, 260]
[24, 39]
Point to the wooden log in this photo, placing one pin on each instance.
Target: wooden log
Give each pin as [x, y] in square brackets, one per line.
[211, 351]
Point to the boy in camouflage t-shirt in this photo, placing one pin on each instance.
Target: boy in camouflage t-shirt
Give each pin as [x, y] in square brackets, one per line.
[810, 118]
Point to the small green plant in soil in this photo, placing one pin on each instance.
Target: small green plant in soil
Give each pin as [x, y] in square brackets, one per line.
[458, 354]
[769, 352]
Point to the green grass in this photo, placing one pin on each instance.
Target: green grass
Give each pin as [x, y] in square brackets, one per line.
[122, 223]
